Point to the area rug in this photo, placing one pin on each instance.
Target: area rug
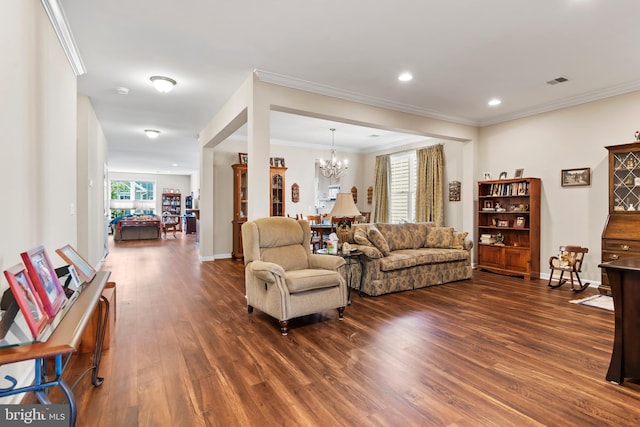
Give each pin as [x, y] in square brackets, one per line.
[599, 301]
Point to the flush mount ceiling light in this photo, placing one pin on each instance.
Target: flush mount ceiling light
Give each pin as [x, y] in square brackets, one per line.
[405, 77]
[162, 84]
[152, 133]
[333, 167]
[495, 101]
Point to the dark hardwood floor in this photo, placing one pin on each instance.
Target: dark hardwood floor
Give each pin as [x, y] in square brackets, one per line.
[491, 351]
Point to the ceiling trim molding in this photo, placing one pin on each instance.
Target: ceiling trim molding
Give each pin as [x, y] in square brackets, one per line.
[567, 102]
[63, 31]
[294, 83]
[279, 79]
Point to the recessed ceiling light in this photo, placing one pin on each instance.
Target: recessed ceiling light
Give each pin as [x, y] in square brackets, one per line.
[174, 164]
[122, 90]
[405, 77]
[494, 102]
[162, 84]
[152, 133]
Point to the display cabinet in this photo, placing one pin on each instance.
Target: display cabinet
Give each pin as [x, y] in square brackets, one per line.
[240, 201]
[508, 229]
[277, 191]
[621, 234]
[171, 203]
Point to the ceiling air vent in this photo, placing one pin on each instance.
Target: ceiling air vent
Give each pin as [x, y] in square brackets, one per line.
[557, 80]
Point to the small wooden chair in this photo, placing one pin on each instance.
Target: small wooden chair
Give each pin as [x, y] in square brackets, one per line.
[169, 225]
[570, 261]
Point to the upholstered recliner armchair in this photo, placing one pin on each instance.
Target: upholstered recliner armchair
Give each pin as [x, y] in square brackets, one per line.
[282, 277]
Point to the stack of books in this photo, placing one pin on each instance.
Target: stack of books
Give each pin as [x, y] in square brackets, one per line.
[487, 239]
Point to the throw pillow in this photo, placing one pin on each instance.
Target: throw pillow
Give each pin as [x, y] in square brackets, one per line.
[458, 239]
[378, 240]
[439, 237]
[360, 237]
[370, 252]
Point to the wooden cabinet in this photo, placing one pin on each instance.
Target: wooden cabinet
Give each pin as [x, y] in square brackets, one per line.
[240, 204]
[171, 208]
[509, 226]
[621, 234]
[277, 191]
[240, 201]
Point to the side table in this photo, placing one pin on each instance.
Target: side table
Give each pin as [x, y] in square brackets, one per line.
[350, 258]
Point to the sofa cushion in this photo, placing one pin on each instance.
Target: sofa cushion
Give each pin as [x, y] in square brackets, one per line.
[403, 236]
[397, 260]
[378, 240]
[434, 255]
[439, 237]
[305, 280]
[458, 239]
[370, 251]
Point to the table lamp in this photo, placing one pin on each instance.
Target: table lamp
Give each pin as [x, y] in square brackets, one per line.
[344, 207]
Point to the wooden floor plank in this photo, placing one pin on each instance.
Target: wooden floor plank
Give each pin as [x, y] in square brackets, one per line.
[489, 351]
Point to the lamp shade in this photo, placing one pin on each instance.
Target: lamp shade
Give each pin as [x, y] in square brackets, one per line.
[344, 206]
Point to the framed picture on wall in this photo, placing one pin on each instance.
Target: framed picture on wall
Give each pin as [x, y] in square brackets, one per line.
[576, 177]
[44, 278]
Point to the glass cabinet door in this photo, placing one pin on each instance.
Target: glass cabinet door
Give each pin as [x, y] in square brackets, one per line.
[626, 181]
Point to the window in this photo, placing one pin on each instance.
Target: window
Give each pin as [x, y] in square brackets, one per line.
[128, 197]
[402, 191]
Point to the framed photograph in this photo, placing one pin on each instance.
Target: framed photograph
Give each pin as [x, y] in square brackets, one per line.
[503, 175]
[279, 162]
[519, 173]
[576, 177]
[487, 176]
[519, 222]
[73, 258]
[75, 279]
[488, 204]
[271, 162]
[243, 158]
[44, 278]
[27, 298]
[503, 223]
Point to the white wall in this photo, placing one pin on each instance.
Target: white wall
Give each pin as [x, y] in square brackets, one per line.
[569, 138]
[37, 141]
[92, 156]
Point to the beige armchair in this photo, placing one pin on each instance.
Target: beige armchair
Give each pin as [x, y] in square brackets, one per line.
[282, 277]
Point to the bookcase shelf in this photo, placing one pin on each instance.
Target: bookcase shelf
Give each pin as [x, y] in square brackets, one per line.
[508, 227]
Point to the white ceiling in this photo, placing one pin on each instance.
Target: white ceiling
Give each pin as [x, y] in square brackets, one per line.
[461, 53]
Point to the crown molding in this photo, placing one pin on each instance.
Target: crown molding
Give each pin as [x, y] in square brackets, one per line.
[63, 31]
[567, 102]
[294, 83]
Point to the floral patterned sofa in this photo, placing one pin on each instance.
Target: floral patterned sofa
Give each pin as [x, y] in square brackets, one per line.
[400, 257]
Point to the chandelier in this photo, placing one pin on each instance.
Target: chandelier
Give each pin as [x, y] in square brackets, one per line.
[333, 168]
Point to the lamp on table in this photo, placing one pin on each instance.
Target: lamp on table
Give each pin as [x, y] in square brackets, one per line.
[343, 208]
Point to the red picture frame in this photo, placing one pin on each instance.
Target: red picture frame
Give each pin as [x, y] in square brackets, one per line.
[44, 278]
[27, 298]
